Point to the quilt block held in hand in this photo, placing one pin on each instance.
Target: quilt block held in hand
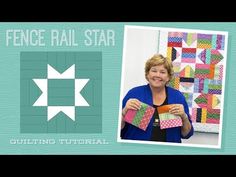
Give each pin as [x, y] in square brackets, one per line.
[140, 118]
[168, 120]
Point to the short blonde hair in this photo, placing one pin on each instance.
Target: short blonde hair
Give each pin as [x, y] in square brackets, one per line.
[157, 60]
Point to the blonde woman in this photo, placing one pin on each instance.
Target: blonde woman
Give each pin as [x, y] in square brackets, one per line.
[158, 72]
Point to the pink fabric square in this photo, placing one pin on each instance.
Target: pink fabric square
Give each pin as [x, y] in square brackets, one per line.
[171, 123]
[129, 116]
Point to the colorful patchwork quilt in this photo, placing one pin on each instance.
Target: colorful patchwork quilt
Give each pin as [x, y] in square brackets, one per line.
[199, 60]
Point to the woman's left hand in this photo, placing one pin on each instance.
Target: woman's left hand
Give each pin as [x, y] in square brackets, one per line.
[177, 109]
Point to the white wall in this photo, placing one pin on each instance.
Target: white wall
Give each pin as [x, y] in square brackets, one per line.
[139, 45]
[202, 138]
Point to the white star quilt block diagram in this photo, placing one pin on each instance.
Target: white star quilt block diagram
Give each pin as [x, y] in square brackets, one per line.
[61, 92]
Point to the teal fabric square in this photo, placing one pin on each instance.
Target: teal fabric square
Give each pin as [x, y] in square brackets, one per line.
[61, 92]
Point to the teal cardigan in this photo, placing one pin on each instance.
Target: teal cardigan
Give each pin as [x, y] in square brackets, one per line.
[144, 94]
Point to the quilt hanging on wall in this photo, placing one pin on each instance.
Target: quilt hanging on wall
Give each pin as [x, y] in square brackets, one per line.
[199, 60]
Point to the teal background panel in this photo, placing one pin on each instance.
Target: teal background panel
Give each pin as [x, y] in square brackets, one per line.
[69, 141]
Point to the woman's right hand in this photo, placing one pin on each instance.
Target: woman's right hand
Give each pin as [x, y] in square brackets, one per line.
[132, 103]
